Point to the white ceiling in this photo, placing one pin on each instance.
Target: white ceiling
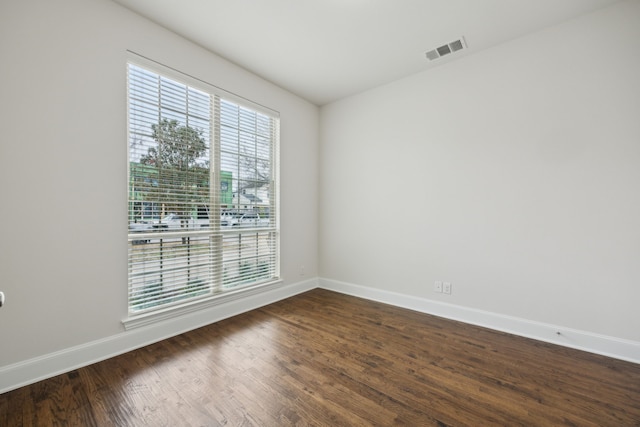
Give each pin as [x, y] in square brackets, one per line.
[324, 50]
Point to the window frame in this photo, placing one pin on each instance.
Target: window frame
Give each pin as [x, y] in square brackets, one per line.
[166, 311]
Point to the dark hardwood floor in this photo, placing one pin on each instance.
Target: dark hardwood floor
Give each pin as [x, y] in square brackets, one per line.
[326, 359]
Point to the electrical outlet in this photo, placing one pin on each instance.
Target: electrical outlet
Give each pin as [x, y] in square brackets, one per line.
[302, 270]
[446, 287]
[437, 286]
[1, 299]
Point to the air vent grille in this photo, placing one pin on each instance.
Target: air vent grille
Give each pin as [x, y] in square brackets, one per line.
[432, 54]
[446, 49]
[456, 45]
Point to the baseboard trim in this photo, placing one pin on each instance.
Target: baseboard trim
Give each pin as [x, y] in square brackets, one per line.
[594, 343]
[39, 368]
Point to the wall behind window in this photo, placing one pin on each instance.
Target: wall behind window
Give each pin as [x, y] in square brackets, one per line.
[512, 173]
[63, 160]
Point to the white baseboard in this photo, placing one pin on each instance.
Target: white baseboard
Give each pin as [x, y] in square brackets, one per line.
[39, 368]
[594, 343]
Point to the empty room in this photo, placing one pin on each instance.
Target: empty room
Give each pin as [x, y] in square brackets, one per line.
[320, 212]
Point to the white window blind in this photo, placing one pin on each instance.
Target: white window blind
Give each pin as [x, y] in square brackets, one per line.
[202, 178]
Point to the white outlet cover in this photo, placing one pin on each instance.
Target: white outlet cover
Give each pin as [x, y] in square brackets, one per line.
[446, 287]
[437, 286]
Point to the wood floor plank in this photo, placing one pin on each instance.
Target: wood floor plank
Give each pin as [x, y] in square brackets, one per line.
[326, 359]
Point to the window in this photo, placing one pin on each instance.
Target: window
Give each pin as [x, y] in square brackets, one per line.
[202, 179]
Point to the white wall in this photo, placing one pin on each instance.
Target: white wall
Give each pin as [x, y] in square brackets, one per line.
[63, 160]
[512, 173]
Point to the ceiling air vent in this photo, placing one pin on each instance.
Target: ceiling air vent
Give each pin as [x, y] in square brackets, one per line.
[446, 49]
